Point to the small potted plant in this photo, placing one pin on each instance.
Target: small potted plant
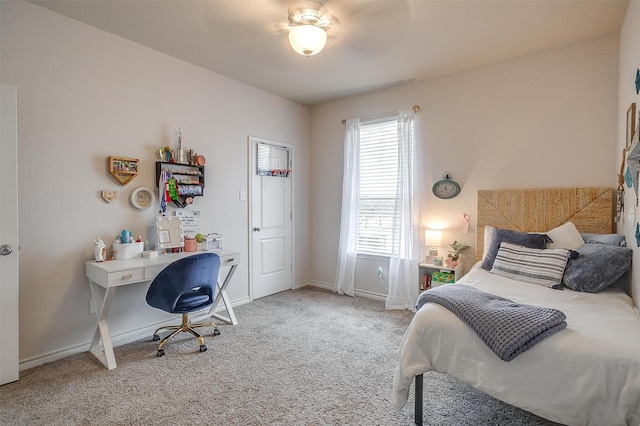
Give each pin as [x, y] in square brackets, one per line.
[453, 256]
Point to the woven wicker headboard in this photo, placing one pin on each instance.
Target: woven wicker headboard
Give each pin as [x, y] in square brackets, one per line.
[527, 210]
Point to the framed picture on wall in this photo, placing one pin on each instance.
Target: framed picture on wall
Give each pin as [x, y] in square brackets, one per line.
[631, 124]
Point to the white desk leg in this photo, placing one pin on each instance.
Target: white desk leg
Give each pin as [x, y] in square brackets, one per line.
[222, 294]
[103, 305]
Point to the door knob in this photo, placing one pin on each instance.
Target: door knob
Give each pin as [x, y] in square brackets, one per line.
[6, 249]
[256, 229]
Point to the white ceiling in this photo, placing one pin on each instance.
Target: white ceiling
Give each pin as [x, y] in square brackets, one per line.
[372, 43]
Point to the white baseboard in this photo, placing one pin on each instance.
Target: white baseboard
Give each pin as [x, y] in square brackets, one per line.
[371, 295]
[312, 283]
[117, 339]
[359, 293]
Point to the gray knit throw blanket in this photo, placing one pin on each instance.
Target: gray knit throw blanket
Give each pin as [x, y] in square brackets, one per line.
[507, 327]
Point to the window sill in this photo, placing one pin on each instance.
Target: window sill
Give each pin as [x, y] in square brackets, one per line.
[377, 257]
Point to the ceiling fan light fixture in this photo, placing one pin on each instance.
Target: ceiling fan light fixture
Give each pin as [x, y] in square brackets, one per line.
[307, 39]
[308, 25]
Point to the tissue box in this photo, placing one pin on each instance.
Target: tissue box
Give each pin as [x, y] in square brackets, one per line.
[127, 251]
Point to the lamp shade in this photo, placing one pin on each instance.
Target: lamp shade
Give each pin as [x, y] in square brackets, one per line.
[307, 40]
[432, 238]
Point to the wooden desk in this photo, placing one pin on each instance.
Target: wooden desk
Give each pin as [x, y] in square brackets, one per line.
[106, 277]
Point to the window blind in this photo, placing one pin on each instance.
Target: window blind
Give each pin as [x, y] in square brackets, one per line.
[378, 182]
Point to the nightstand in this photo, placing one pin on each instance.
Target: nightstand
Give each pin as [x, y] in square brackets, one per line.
[427, 269]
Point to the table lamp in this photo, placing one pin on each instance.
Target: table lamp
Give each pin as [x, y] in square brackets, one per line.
[433, 240]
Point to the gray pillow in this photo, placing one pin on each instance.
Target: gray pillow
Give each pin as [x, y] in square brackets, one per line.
[610, 239]
[597, 267]
[524, 239]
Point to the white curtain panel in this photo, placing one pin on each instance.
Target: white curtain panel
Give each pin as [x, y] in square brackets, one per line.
[348, 248]
[403, 265]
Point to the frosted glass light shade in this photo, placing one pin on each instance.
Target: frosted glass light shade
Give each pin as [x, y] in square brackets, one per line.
[432, 238]
[307, 40]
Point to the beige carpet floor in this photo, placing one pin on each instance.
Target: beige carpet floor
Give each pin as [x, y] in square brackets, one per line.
[301, 357]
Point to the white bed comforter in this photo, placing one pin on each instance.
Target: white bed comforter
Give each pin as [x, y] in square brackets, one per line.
[587, 374]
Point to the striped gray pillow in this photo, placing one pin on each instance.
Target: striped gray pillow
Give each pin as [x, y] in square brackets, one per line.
[538, 266]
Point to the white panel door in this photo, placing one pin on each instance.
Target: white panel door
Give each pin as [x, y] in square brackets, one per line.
[271, 217]
[8, 235]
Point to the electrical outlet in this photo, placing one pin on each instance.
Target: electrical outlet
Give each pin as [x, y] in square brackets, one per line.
[380, 271]
[92, 307]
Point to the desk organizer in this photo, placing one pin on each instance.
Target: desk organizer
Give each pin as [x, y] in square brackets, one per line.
[190, 244]
[127, 251]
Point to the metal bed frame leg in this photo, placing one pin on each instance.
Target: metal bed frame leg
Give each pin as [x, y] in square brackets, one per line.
[418, 399]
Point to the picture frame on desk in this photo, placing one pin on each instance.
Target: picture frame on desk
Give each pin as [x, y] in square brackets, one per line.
[164, 236]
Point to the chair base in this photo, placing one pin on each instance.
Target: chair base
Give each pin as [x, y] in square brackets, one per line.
[186, 326]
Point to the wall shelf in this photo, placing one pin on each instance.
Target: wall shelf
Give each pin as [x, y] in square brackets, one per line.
[188, 180]
[124, 170]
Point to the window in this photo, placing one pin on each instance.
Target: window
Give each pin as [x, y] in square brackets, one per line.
[378, 205]
[378, 186]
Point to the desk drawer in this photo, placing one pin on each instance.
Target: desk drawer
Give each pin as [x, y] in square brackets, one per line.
[230, 259]
[125, 277]
[150, 272]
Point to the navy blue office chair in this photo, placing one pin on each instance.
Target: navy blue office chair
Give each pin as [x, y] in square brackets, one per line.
[186, 285]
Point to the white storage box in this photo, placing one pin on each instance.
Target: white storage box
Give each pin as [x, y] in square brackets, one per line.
[150, 254]
[127, 251]
[212, 242]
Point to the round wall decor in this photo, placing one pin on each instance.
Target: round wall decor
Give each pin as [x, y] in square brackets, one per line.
[142, 198]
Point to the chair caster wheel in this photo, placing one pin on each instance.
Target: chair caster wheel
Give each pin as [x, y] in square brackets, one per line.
[160, 352]
[156, 337]
[216, 332]
[203, 348]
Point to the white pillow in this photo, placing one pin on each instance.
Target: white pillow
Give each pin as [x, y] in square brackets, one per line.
[565, 236]
[538, 266]
[488, 232]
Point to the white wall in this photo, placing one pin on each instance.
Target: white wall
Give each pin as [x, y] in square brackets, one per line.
[542, 120]
[629, 53]
[83, 95]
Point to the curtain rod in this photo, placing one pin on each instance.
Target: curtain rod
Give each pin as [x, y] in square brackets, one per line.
[415, 109]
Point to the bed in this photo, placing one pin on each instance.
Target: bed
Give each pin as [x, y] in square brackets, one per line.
[586, 374]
